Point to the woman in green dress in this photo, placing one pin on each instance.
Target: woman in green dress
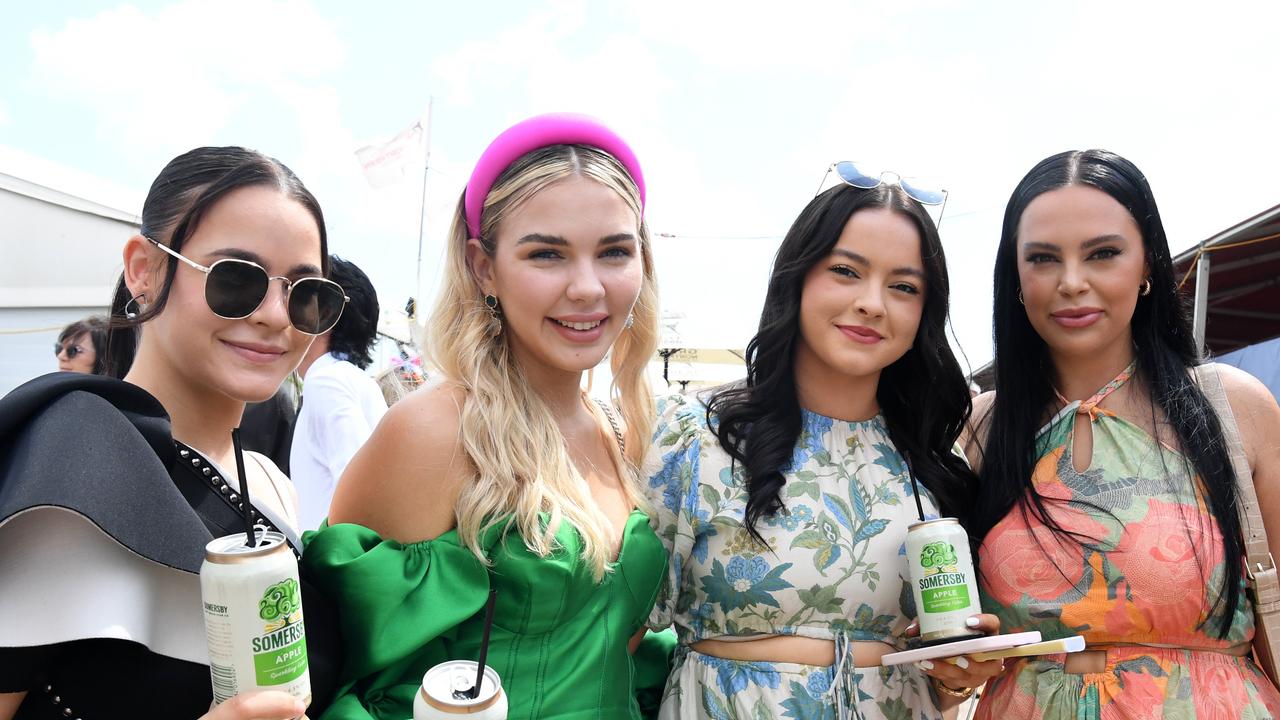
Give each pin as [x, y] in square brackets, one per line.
[504, 474]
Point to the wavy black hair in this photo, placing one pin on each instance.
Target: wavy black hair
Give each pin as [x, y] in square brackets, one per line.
[353, 337]
[1162, 341]
[923, 395]
[179, 197]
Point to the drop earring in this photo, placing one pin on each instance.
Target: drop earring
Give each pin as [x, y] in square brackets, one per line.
[495, 315]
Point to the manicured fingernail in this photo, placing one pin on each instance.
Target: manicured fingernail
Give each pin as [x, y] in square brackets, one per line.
[924, 665]
[962, 663]
[974, 621]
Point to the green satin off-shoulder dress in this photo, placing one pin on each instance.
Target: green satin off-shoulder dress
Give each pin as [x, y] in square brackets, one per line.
[559, 641]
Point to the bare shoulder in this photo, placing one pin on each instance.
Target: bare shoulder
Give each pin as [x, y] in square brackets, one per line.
[1256, 413]
[1244, 391]
[974, 435]
[404, 483]
[982, 405]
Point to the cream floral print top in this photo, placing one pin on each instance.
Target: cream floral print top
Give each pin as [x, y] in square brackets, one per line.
[835, 569]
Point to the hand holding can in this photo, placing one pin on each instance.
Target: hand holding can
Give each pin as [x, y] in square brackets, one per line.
[942, 580]
[253, 617]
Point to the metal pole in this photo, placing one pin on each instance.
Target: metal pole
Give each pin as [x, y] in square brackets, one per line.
[421, 303]
[1202, 300]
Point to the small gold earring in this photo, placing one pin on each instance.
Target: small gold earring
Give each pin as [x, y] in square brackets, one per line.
[1145, 287]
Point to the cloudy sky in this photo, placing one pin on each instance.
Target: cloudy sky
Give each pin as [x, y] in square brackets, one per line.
[735, 108]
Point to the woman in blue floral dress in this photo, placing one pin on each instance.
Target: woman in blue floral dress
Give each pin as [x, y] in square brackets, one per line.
[785, 500]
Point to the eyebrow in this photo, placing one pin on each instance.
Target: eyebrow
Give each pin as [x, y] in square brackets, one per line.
[561, 242]
[913, 272]
[1086, 245]
[237, 254]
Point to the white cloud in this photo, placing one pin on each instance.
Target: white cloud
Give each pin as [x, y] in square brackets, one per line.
[750, 35]
[177, 76]
[243, 72]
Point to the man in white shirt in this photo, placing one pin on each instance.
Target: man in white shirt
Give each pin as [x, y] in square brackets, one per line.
[341, 404]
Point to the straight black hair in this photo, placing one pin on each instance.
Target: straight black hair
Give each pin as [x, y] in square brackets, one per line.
[1162, 341]
[179, 197]
[923, 395]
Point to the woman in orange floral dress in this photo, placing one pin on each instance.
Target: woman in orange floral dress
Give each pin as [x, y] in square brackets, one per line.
[1116, 519]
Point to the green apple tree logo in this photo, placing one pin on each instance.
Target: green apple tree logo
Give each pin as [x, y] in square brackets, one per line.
[939, 557]
[280, 604]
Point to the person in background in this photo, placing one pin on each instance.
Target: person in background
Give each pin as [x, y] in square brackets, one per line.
[82, 346]
[267, 426]
[341, 404]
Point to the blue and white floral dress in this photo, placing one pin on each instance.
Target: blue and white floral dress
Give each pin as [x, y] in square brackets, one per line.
[835, 569]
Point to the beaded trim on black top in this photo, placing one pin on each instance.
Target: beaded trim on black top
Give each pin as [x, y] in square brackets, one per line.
[201, 466]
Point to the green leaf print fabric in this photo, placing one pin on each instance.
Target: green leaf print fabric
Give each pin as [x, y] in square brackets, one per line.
[835, 569]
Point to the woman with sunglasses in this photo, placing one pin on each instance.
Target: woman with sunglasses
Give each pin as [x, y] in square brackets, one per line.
[1108, 504]
[82, 347]
[785, 500]
[111, 489]
[505, 475]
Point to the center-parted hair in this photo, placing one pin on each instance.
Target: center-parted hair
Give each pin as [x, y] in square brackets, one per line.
[1163, 345]
[923, 395]
[523, 469]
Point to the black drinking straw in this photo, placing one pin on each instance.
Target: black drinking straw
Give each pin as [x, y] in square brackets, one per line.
[484, 642]
[916, 491]
[250, 538]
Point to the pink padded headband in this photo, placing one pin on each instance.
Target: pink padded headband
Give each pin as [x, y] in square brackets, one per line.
[539, 132]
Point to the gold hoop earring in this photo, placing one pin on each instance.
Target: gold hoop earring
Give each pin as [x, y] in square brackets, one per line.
[495, 315]
[1145, 287]
[1020, 300]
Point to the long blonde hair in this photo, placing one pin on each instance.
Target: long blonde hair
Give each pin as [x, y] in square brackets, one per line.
[509, 433]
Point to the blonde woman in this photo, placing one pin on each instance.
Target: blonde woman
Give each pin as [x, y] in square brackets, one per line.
[505, 474]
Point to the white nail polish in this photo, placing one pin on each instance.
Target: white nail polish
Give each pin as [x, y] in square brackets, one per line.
[973, 621]
[962, 663]
[924, 665]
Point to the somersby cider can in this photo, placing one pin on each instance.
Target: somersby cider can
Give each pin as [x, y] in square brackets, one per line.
[253, 617]
[942, 579]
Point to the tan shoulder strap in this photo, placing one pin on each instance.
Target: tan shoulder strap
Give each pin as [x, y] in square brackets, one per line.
[1255, 534]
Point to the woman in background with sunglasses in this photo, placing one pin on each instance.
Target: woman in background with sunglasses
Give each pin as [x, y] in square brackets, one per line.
[111, 489]
[785, 500]
[82, 347]
[1109, 504]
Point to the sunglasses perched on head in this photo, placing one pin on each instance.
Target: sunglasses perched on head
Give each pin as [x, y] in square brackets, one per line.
[235, 289]
[861, 176]
[72, 350]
